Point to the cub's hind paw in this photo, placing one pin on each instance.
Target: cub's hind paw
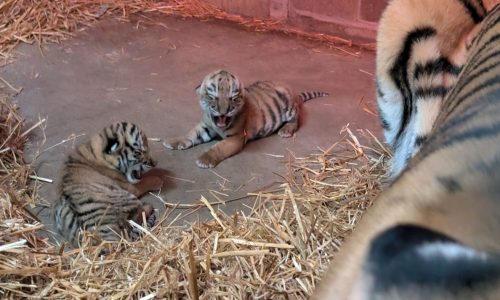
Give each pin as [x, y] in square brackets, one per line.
[151, 221]
[134, 234]
[178, 144]
[144, 213]
[287, 130]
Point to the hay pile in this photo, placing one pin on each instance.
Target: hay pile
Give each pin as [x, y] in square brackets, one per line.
[277, 250]
[41, 21]
[18, 227]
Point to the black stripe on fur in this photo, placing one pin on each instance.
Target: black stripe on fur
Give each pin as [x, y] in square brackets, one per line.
[477, 89]
[437, 91]
[397, 260]
[306, 96]
[420, 140]
[399, 71]
[383, 122]
[435, 67]
[380, 94]
[471, 9]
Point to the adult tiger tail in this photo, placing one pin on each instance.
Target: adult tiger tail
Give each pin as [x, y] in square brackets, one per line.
[101, 182]
[238, 114]
[433, 233]
[421, 47]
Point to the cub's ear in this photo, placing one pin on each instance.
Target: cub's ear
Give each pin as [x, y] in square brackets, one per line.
[112, 146]
[198, 89]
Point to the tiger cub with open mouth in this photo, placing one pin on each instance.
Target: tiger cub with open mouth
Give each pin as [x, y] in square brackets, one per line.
[239, 114]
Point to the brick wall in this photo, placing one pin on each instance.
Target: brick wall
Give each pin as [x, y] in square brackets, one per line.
[355, 19]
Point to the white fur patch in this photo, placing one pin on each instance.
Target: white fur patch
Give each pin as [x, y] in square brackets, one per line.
[450, 251]
[391, 109]
[114, 147]
[428, 111]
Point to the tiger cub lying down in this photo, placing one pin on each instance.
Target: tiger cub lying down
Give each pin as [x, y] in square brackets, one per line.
[239, 114]
[101, 182]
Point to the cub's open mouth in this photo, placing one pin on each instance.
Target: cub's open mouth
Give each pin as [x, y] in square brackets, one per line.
[221, 121]
[133, 175]
[136, 174]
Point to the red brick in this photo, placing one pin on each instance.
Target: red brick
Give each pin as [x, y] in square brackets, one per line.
[344, 9]
[371, 10]
[278, 9]
[251, 8]
[306, 5]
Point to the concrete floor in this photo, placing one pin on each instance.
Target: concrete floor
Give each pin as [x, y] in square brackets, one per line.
[146, 73]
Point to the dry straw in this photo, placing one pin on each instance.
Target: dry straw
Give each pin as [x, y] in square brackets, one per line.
[276, 249]
[30, 21]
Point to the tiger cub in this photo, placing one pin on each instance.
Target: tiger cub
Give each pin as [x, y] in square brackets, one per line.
[421, 47]
[239, 114]
[101, 182]
[434, 232]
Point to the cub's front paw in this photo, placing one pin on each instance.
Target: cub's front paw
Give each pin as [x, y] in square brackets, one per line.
[178, 144]
[152, 183]
[156, 172]
[206, 161]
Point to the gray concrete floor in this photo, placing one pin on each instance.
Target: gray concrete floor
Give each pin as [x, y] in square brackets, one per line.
[146, 73]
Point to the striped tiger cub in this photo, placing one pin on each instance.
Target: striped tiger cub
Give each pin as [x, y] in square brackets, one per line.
[101, 182]
[433, 234]
[239, 114]
[421, 47]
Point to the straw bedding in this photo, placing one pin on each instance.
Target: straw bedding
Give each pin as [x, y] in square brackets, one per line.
[277, 249]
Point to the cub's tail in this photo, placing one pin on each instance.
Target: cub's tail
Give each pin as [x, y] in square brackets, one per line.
[306, 96]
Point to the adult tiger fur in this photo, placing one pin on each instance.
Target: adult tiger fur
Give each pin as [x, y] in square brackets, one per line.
[434, 232]
[238, 114]
[421, 47]
[101, 182]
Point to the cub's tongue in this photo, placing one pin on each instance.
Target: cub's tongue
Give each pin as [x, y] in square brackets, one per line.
[221, 121]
